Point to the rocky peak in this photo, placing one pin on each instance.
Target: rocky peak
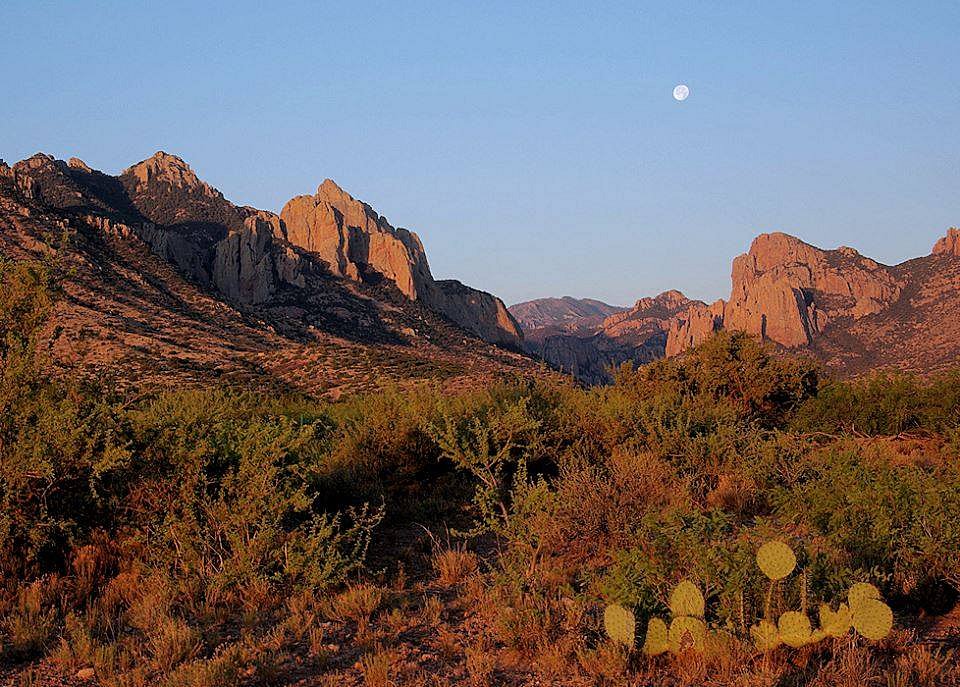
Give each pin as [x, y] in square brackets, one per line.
[668, 300]
[949, 244]
[356, 242]
[331, 192]
[648, 315]
[351, 237]
[163, 168]
[77, 163]
[789, 291]
[45, 179]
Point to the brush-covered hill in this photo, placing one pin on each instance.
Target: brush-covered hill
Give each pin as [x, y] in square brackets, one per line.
[165, 281]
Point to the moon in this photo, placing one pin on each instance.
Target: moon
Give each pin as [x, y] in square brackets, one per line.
[681, 92]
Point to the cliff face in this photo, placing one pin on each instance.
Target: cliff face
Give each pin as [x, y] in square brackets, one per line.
[252, 256]
[949, 244]
[851, 311]
[789, 292]
[351, 237]
[357, 243]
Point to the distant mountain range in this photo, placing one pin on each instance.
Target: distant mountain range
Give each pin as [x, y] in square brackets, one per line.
[166, 280]
[850, 311]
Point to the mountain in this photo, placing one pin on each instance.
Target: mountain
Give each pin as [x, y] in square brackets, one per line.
[168, 280]
[559, 314]
[588, 338]
[852, 312]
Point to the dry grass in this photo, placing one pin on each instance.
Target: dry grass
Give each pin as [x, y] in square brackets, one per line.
[481, 663]
[356, 604]
[30, 625]
[455, 566]
[378, 668]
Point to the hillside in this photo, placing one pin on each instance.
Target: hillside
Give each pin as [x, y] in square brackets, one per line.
[167, 282]
[587, 339]
[851, 312]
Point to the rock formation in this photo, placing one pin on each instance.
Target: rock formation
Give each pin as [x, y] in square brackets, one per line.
[949, 244]
[852, 312]
[788, 292]
[252, 256]
[355, 242]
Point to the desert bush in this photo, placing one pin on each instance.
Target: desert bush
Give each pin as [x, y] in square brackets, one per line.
[883, 404]
[198, 536]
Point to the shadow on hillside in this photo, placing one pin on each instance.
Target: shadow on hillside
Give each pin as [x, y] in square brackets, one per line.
[325, 303]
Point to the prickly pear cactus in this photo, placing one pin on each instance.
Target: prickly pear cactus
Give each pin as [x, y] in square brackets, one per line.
[872, 618]
[765, 635]
[776, 560]
[620, 624]
[658, 638]
[687, 633]
[862, 591]
[835, 623]
[686, 600]
[794, 628]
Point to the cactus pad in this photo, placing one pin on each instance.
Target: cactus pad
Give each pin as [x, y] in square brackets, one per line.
[686, 600]
[658, 639]
[862, 591]
[687, 633]
[794, 629]
[835, 623]
[776, 560]
[872, 618]
[620, 624]
[765, 635]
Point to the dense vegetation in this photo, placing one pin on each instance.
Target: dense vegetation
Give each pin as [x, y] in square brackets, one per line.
[218, 536]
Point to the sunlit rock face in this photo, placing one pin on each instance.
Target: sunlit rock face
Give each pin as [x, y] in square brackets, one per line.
[949, 244]
[249, 255]
[788, 291]
[353, 240]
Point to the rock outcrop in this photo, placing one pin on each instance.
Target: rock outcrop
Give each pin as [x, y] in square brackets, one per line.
[949, 244]
[788, 292]
[250, 263]
[351, 237]
[693, 326]
[251, 256]
[357, 243]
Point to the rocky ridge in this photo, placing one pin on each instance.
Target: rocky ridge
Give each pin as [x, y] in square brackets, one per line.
[849, 310]
[263, 269]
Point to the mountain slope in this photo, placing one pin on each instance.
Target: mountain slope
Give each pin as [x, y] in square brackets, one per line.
[850, 311]
[167, 282]
[588, 339]
[566, 313]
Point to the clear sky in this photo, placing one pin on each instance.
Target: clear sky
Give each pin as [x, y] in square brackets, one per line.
[535, 147]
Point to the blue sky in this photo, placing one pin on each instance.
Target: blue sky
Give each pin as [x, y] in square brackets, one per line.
[535, 147]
